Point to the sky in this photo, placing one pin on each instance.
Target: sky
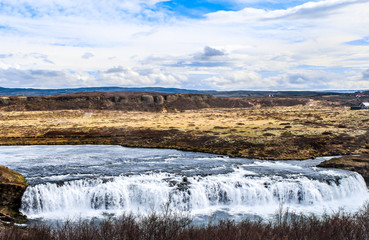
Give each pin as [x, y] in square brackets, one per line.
[192, 44]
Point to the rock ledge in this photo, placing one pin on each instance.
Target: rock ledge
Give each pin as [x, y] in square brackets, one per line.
[12, 187]
[359, 164]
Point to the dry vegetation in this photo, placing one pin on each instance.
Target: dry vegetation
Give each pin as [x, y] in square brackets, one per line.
[301, 131]
[258, 122]
[169, 227]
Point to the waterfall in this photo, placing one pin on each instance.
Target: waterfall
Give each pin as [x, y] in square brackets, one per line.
[233, 192]
[96, 181]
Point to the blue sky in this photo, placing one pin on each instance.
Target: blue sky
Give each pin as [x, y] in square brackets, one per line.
[198, 8]
[213, 44]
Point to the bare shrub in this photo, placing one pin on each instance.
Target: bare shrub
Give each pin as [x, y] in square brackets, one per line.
[167, 226]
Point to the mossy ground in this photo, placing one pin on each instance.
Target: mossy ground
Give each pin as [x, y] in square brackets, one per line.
[9, 176]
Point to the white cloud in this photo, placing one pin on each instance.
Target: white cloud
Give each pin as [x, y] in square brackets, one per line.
[118, 76]
[142, 76]
[308, 10]
[87, 55]
[365, 75]
[234, 80]
[82, 8]
[209, 53]
[38, 78]
[296, 48]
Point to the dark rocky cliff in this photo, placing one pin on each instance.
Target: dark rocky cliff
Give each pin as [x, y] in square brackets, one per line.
[12, 187]
[129, 101]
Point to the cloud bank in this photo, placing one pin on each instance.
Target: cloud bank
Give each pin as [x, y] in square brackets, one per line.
[238, 44]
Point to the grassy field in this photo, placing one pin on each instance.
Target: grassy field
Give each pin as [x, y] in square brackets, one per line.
[247, 123]
[296, 132]
[265, 126]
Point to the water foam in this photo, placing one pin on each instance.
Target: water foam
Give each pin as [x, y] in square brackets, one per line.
[234, 193]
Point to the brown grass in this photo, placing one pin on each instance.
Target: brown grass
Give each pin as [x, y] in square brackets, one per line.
[300, 120]
[272, 132]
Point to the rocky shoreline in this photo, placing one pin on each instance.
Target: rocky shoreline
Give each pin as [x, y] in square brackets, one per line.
[12, 187]
[359, 164]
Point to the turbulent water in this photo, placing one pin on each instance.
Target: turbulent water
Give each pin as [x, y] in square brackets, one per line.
[93, 181]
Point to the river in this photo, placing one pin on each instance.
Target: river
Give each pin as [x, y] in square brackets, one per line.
[94, 181]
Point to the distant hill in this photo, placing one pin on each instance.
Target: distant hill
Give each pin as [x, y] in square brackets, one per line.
[52, 92]
[242, 93]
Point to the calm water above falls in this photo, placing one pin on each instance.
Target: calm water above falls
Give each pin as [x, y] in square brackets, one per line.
[94, 181]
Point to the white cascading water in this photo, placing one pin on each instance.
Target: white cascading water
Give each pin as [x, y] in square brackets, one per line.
[78, 182]
[148, 193]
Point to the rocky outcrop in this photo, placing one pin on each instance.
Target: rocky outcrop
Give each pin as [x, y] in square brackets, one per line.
[12, 187]
[147, 101]
[359, 164]
[126, 101]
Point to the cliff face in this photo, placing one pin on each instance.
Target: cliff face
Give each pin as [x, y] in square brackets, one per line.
[126, 101]
[12, 187]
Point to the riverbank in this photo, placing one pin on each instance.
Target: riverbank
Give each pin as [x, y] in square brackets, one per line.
[359, 164]
[297, 132]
